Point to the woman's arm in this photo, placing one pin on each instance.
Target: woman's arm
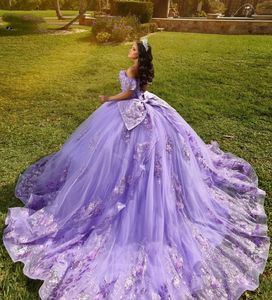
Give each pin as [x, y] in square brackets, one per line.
[121, 96]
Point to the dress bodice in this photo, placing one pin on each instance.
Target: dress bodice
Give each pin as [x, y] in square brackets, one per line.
[129, 83]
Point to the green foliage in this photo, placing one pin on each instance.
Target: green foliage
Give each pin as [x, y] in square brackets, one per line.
[20, 4]
[119, 28]
[103, 37]
[143, 10]
[147, 28]
[49, 4]
[122, 33]
[24, 21]
[216, 6]
[102, 24]
[70, 4]
[38, 4]
[189, 8]
[201, 13]
[264, 8]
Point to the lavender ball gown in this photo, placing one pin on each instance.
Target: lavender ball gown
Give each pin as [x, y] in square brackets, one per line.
[136, 206]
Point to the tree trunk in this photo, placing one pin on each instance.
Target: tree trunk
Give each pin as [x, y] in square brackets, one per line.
[161, 8]
[82, 5]
[181, 7]
[199, 5]
[112, 8]
[77, 17]
[57, 9]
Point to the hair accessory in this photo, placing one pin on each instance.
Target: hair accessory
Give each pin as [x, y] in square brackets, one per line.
[145, 43]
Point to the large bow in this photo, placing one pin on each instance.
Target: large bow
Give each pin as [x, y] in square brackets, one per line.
[133, 111]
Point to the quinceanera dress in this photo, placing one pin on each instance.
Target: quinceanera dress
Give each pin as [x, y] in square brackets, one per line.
[136, 206]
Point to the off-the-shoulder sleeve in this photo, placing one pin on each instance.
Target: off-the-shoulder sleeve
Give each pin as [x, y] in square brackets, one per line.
[131, 83]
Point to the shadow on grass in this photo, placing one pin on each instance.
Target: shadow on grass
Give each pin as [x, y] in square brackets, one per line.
[49, 30]
[8, 197]
[32, 285]
[18, 32]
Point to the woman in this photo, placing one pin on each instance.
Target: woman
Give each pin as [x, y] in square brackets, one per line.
[136, 206]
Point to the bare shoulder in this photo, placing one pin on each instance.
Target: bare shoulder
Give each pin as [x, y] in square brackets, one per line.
[132, 72]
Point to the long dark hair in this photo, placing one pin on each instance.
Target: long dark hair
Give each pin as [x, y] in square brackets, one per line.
[145, 65]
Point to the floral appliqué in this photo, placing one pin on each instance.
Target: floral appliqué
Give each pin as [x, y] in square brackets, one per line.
[179, 193]
[158, 166]
[169, 145]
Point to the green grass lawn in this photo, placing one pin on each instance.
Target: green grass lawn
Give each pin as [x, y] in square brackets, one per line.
[220, 84]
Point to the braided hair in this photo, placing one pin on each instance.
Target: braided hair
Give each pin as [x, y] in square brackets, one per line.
[145, 66]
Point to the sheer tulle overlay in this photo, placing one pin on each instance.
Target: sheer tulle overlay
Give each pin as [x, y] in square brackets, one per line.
[136, 206]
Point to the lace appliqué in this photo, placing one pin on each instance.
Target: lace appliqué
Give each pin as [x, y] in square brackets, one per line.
[147, 122]
[158, 166]
[197, 152]
[42, 224]
[27, 180]
[105, 289]
[127, 83]
[140, 149]
[169, 145]
[137, 272]
[120, 188]
[178, 189]
[125, 134]
[184, 148]
[177, 262]
[123, 185]
[132, 112]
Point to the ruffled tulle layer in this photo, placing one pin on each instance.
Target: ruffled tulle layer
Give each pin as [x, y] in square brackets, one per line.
[152, 213]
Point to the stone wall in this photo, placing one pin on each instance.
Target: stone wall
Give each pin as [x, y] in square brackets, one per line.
[86, 20]
[216, 26]
[203, 25]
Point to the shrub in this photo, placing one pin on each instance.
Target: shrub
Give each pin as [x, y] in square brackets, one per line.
[216, 6]
[99, 13]
[24, 21]
[20, 4]
[143, 10]
[122, 32]
[119, 28]
[102, 24]
[148, 28]
[103, 37]
[153, 27]
[264, 8]
[200, 14]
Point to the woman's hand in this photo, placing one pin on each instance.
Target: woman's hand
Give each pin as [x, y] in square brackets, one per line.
[103, 98]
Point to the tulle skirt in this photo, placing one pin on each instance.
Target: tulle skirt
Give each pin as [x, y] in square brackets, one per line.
[147, 213]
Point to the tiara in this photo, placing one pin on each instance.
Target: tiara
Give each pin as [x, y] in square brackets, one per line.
[145, 43]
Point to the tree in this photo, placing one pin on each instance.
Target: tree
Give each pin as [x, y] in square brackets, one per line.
[161, 8]
[82, 5]
[86, 7]
[189, 7]
[57, 9]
